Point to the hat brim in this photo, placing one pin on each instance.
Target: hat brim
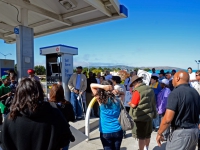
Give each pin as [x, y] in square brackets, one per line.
[135, 80]
[164, 83]
[29, 72]
[4, 77]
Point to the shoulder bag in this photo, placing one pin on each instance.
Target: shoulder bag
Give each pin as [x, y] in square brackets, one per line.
[125, 119]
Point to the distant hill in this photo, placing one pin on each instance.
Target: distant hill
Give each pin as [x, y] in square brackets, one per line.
[131, 68]
[165, 68]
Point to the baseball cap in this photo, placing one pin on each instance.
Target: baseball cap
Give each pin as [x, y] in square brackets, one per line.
[79, 67]
[174, 70]
[30, 71]
[165, 81]
[4, 77]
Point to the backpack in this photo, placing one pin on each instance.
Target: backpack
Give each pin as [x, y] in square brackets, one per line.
[127, 83]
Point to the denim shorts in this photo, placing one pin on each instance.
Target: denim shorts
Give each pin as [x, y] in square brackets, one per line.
[111, 141]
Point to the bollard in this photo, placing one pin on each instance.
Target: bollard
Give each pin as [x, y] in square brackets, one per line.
[87, 119]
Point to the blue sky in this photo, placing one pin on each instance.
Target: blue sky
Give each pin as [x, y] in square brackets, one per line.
[156, 33]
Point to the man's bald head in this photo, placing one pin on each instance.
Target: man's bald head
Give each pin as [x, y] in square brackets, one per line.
[181, 77]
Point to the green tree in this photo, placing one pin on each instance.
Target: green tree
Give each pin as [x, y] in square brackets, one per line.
[92, 68]
[147, 69]
[100, 69]
[85, 69]
[96, 71]
[113, 69]
[117, 69]
[107, 69]
[136, 69]
[40, 70]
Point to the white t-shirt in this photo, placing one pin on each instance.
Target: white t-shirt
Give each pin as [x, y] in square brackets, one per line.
[196, 85]
[192, 77]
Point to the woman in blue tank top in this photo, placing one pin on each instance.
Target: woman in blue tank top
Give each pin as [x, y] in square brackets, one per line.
[111, 133]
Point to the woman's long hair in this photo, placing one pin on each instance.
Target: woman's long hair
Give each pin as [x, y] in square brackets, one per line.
[28, 96]
[103, 95]
[57, 94]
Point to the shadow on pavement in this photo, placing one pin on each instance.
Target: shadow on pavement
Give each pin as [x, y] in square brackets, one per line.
[160, 148]
[92, 139]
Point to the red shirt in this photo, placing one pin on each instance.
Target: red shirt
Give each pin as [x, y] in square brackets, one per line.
[135, 98]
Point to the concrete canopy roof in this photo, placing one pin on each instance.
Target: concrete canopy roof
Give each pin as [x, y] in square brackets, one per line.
[52, 16]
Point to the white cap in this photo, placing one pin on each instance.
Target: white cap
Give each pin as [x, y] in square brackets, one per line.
[155, 74]
[165, 81]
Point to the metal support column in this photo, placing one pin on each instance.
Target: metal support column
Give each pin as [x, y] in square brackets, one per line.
[25, 50]
[24, 45]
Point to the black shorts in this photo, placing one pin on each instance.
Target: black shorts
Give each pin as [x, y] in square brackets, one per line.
[142, 130]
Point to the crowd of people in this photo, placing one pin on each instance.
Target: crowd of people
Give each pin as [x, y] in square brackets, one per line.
[168, 105]
[162, 106]
[30, 121]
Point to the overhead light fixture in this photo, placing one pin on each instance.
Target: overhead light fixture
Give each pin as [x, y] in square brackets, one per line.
[68, 4]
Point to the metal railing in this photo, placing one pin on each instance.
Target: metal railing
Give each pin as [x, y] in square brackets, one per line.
[87, 118]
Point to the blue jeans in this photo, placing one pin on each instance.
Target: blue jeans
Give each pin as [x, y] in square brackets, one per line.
[111, 141]
[156, 121]
[77, 106]
[160, 116]
[66, 147]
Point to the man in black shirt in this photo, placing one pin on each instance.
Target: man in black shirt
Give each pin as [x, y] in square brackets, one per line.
[89, 95]
[183, 109]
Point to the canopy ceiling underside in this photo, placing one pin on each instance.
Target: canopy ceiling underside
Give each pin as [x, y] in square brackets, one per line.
[50, 16]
